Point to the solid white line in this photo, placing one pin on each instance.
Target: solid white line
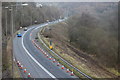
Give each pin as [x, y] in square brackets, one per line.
[34, 58]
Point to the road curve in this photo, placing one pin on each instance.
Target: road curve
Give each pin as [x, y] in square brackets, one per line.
[33, 59]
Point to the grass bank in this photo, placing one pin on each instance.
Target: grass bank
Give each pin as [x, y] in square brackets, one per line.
[58, 59]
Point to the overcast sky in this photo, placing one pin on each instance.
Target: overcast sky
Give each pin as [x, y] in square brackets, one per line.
[81, 0]
[60, 0]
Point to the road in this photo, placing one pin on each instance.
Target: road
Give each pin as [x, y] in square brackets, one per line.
[32, 58]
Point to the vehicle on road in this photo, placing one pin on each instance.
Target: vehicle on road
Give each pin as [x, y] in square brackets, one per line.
[19, 34]
[20, 27]
[25, 29]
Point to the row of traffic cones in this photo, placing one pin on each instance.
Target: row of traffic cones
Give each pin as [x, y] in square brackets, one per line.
[68, 71]
[58, 64]
[54, 61]
[38, 47]
[35, 44]
[22, 68]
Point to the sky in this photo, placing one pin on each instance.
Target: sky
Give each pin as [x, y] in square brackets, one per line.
[60, 0]
[81, 0]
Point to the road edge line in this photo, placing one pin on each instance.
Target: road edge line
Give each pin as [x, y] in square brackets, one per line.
[35, 59]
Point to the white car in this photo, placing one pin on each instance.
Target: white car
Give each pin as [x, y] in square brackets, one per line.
[25, 29]
[20, 27]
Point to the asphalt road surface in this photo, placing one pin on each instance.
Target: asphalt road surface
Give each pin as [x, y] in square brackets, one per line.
[32, 58]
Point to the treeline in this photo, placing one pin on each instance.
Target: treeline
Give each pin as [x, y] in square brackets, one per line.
[33, 13]
[23, 16]
[95, 31]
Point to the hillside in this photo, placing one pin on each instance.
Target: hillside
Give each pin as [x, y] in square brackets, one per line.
[90, 38]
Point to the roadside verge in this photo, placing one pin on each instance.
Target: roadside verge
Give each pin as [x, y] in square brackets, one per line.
[76, 71]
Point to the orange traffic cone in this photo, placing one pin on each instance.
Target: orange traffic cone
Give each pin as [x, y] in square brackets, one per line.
[50, 58]
[17, 62]
[43, 51]
[21, 67]
[62, 67]
[47, 56]
[58, 64]
[29, 75]
[68, 71]
[40, 49]
[25, 70]
[54, 61]
[72, 74]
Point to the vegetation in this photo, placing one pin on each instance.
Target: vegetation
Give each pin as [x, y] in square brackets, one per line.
[96, 35]
[92, 30]
[28, 15]
[22, 16]
[58, 59]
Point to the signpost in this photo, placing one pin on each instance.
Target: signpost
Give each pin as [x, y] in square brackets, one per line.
[51, 47]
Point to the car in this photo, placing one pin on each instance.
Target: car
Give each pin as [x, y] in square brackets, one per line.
[25, 29]
[19, 35]
[20, 27]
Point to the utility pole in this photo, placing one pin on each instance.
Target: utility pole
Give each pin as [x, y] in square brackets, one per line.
[31, 18]
[6, 20]
[21, 14]
[1, 41]
[31, 15]
[12, 36]
[12, 39]
[6, 23]
[40, 7]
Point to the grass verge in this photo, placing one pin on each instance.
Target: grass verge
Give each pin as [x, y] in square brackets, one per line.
[58, 59]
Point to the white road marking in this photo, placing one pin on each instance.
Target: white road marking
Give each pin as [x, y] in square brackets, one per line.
[34, 58]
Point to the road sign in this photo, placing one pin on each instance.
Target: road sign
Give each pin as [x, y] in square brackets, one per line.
[50, 42]
[51, 47]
